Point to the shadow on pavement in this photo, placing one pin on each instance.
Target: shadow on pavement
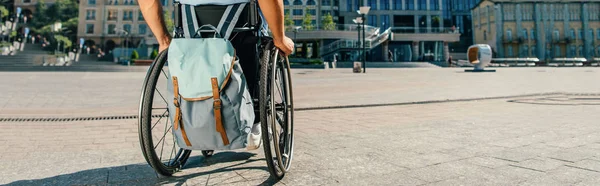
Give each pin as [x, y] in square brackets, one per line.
[143, 174]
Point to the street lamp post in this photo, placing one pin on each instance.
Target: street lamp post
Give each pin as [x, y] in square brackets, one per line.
[364, 10]
[358, 22]
[296, 28]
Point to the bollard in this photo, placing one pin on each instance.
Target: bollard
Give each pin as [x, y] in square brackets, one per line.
[326, 65]
[333, 64]
[357, 67]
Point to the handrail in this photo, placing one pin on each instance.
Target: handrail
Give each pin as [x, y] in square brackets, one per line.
[353, 43]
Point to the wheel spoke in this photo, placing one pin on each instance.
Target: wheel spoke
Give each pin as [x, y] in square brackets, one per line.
[163, 98]
[158, 120]
[163, 137]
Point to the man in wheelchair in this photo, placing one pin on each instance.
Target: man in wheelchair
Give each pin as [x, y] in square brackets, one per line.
[220, 13]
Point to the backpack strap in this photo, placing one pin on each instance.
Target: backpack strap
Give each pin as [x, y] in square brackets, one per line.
[189, 20]
[178, 112]
[230, 18]
[217, 110]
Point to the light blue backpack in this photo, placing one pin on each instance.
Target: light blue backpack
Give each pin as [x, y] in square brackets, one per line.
[212, 108]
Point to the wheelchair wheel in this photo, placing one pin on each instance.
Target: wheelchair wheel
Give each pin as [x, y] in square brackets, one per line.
[156, 138]
[276, 112]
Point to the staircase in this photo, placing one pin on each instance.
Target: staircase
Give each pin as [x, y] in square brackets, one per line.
[32, 55]
[372, 40]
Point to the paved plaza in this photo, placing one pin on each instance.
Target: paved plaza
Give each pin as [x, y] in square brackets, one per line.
[517, 126]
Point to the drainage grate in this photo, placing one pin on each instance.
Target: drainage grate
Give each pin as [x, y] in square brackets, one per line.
[587, 98]
[55, 119]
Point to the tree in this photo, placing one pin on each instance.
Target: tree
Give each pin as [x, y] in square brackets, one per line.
[328, 23]
[39, 16]
[307, 21]
[3, 12]
[154, 54]
[289, 23]
[135, 55]
[168, 21]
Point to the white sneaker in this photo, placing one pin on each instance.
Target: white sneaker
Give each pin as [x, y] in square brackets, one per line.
[254, 140]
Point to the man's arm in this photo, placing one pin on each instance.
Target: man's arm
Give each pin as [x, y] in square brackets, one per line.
[273, 11]
[152, 12]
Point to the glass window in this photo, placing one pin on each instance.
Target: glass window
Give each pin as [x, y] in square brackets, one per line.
[524, 33]
[422, 4]
[297, 22]
[286, 2]
[556, 34]
[533, 52]
[297, 2]
[571, 51]
[509, 51]
[372, 4]
[557, 51]
[509, 34]
[349, 5]
[298, 12]
[385, 4]
[142, 29]
[580, 34]
[598, 34]
[91, 2]
[89, 29]
[580, 51]
[410, 4]
[112, 15]
[312, 12]
[127, 28]
[111, 29]
[525, 52]
[372, 20]
[532, 34]
[325, 2]
[385, 21]
[590, 35]
[572, 33]
[311, 2]
[397, 4]
[90, 15]
[434, 5]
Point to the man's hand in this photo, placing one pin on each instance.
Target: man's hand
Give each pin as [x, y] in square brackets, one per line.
[285, 45]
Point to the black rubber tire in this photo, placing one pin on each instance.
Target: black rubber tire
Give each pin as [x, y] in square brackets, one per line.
[145, 120]
[264, 82]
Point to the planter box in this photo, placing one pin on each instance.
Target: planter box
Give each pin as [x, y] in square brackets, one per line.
[143, 62]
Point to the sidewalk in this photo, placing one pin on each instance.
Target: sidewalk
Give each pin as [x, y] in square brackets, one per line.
[550, 139]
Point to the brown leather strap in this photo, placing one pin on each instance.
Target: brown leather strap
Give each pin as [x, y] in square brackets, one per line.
[217, 109]
[178, 111]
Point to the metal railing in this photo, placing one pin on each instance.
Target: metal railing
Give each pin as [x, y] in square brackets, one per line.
[414, 30]
[338, 27]
[370, 43]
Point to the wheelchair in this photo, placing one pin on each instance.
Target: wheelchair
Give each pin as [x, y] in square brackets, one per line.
[269, 80]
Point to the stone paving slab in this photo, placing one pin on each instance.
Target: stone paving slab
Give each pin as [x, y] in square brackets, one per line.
[62, 94]
[454, 143]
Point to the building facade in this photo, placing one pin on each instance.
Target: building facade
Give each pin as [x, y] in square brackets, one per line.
[458, 13]
[420, 33]
[542, 29]
[318, 9]
[112, 23]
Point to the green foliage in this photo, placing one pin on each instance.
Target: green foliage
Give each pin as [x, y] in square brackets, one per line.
[65, 42]
[5, 44]
[328, 23]
[135, 55]
[13, 34]
[154, 54]
[39, 15]
[307, 20]
[3, 11]
[168, 21]
[289, 23]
